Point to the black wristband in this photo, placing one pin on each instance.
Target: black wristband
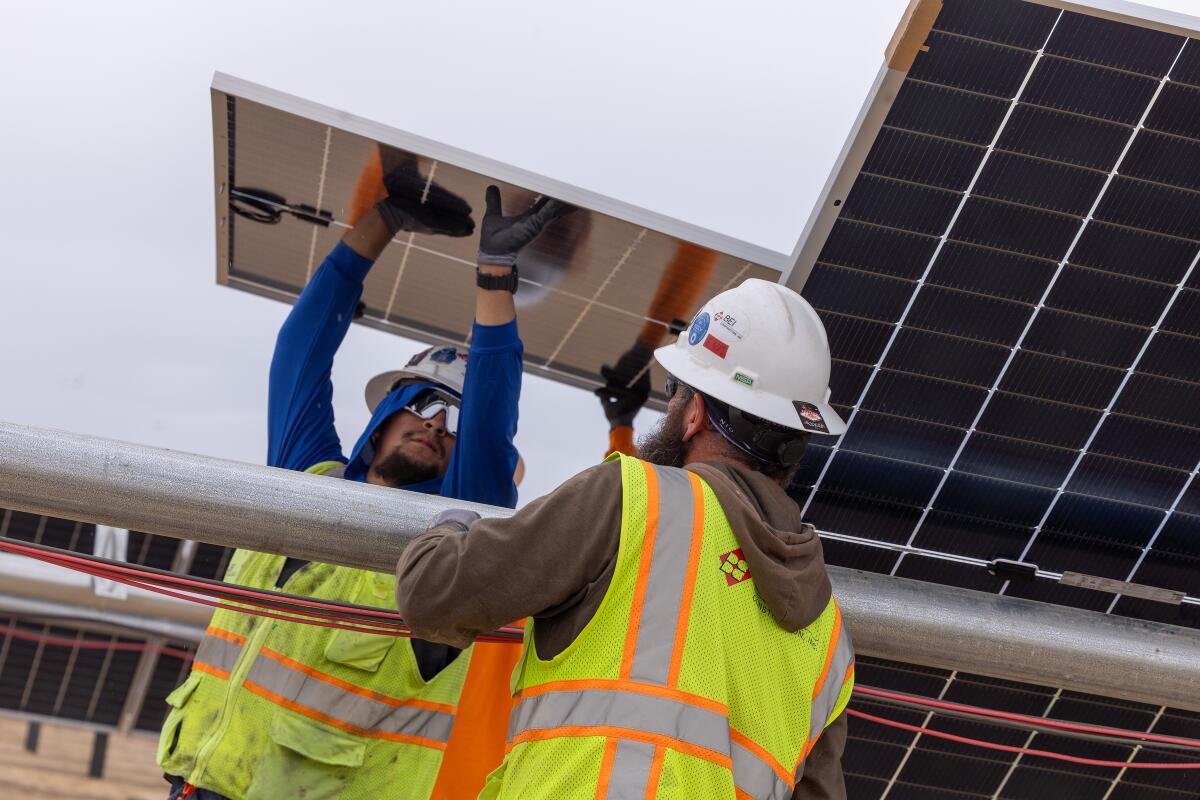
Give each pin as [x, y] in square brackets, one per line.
[497, 282]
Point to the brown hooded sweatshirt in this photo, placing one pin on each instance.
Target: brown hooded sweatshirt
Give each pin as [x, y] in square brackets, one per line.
[554, 558]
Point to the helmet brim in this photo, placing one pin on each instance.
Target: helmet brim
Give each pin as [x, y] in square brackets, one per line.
[382, 385]
[771, 407]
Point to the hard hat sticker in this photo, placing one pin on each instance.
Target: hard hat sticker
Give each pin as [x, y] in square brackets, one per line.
[445, 355]
[810, 417]
[716, 345]
[698, 329]
[734, 322]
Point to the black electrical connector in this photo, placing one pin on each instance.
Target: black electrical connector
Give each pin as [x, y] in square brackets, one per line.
[259, 205]
[1009, 569]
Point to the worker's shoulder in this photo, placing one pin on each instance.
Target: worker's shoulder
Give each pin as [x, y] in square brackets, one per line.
[606, 474]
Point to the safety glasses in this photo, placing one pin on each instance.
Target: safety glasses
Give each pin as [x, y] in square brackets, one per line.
[672, 386]
[429, 404]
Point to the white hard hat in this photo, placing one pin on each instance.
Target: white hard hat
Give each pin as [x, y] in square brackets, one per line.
[761, 348]
[441, 364]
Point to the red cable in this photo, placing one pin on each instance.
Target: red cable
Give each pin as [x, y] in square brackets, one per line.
[1022, 750]
[389, 622]
[1043, 722]
[255, 601]
[85, 564]
[91, 644]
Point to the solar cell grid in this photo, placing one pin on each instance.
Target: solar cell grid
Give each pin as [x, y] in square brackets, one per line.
[1187, 68]
[1063, 138]
[908, 156]
[1060, 380]
[1164, 159]
[882, 250]
[1089, 90]
[941, 111]
[1015, 228]
[1132, 252]
[1108, 296]
[1114, 44]
[972, 65]
[1066, 259]
[1178, 113]
[897, 204]
[951, 358]
[1039, 183]
[992, 272]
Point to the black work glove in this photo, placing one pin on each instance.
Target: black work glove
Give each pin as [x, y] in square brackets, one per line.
[501, 237]
[622, 402]
[442, 212]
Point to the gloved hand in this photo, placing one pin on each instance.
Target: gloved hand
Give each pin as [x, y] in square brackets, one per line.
[501, 237]
[622, 402]
[442, 211]
[459, 518]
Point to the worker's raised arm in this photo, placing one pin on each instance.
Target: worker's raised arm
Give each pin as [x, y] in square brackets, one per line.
[501, 238]
[454, 584]
[300, 429]
[485, 457]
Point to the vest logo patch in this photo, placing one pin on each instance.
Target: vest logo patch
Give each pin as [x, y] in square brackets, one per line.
[734, 567]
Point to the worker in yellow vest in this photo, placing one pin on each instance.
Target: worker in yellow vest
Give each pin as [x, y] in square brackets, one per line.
[684, 639]
[276, 709]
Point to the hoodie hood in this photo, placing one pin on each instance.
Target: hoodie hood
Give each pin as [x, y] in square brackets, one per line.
[364, 452]
[784, 554]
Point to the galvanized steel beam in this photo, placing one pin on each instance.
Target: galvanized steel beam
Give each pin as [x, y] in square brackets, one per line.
[321, 519]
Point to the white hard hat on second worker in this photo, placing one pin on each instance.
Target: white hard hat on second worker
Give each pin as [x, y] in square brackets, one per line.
[759, 347]
[441, 364]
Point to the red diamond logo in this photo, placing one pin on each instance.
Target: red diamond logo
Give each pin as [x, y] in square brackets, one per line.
[734, 567]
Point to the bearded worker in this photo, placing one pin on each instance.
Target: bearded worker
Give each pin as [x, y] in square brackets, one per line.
[684, 640]
[278, 709]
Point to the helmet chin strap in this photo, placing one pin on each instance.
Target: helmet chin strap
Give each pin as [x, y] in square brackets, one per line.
[772, 444]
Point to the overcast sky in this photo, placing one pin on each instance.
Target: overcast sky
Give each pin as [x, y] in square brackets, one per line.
[725, 115]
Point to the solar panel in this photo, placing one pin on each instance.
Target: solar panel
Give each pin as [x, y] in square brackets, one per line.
[588, 285]
[1011, 290]
[82, 682]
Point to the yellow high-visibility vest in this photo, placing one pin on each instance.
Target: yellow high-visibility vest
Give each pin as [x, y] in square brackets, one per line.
[277, 709]
[682, 685]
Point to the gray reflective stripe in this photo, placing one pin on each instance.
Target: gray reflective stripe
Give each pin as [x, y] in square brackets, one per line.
[217, 652]
[668, 569]
[631, 710]
[345, 706]
[755, 777]
[630, 771]
[826, 700]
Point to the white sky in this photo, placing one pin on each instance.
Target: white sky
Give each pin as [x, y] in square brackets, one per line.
[725, 115]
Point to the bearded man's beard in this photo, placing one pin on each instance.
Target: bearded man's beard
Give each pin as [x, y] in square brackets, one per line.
[664, 445]
[396, 469]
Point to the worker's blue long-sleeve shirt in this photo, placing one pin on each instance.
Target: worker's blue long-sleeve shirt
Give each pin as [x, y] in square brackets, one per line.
[300, 422]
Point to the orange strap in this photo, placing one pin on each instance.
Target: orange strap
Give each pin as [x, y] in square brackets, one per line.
[476, 745]
[620, 440]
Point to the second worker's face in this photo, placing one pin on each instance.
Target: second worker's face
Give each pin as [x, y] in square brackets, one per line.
[411, 450]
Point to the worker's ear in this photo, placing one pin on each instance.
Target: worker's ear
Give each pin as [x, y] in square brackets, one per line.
[694, 417]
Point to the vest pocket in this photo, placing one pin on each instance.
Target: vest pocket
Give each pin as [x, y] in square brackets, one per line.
[365, 651]
[168, 740]
[305, 759]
